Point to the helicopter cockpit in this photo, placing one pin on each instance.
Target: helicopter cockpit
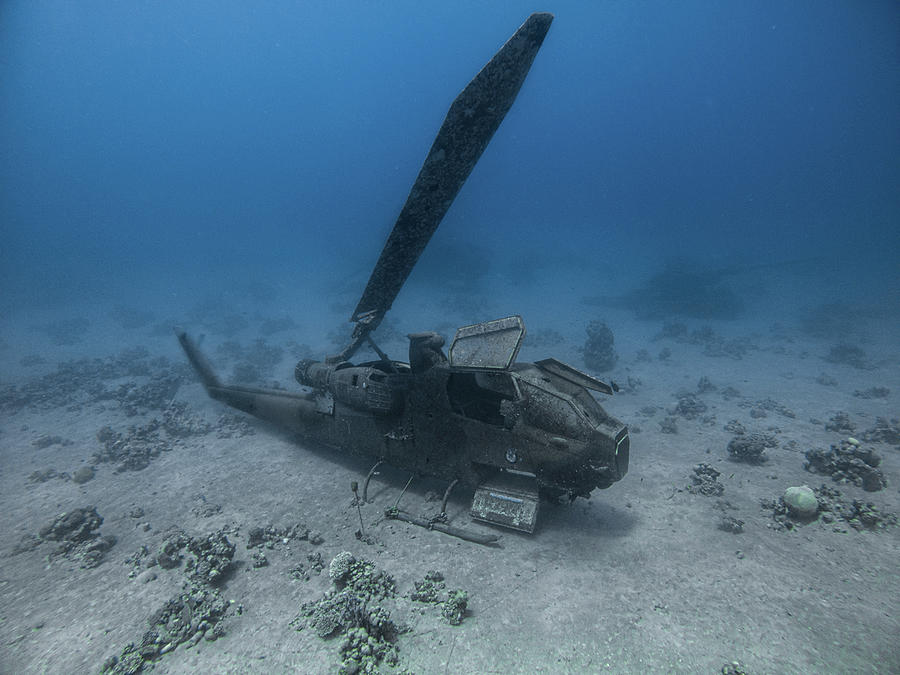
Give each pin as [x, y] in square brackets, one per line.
[483, 396]
[488, 385]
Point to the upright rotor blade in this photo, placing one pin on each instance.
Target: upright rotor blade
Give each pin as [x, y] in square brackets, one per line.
[470, 123]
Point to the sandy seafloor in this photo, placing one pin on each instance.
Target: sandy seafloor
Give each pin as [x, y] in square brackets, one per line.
[638, 579]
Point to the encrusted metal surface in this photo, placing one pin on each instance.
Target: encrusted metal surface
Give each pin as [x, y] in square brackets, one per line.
[467, 129]
[509, 500]
[490, 344]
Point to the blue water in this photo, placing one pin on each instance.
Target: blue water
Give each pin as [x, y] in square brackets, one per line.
[717, 181]
[151, 149]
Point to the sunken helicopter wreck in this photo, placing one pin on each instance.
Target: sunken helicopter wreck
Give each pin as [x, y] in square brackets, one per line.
[473, 415]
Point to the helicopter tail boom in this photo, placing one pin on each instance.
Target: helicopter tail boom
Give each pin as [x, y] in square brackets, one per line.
[197, 360]
[289, 410]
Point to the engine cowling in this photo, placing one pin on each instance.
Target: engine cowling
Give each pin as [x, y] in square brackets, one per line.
[361, 387]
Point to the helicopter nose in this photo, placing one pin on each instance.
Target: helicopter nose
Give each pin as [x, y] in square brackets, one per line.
[623, 448]
[609, 458]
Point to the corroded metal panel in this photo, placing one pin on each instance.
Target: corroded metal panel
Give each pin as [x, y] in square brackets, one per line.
[509, 500]
[567, 372]
[490, 344]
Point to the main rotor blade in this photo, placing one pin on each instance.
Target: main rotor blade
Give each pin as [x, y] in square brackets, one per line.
[470, 123]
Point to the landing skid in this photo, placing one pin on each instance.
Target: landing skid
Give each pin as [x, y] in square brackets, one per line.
[506, 499]
[435, 524]
[439, 523]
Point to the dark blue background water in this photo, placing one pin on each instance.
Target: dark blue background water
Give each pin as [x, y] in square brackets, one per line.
[146, 141]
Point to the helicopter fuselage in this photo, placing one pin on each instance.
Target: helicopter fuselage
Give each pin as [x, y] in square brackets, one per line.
[451, 423]
[474, 415]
